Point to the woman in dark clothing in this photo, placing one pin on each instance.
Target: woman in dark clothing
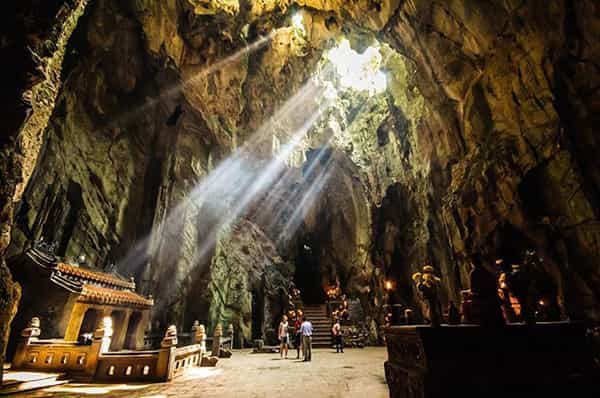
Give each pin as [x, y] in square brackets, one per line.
[336, 330]
[297, 335]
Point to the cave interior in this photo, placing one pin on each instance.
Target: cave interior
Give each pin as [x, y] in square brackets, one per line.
[223, 153]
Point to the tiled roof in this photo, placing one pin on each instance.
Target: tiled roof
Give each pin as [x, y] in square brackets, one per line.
[106, 295]
[97, 276]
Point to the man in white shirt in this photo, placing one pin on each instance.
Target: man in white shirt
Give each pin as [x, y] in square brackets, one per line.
[307, 331]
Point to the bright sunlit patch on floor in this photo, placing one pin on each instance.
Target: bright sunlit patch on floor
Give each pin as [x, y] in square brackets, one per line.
[96, 389]
[20, 376]
[358, 71]
[201, 373]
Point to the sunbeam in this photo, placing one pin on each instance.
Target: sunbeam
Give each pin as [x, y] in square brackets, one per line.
[225, 184]
[234, 187]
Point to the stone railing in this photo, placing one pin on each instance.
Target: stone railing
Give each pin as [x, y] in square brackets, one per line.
[95, 362]
[184, 358]
[59, 355]
[144, 366]
[132, 366]
[54, 355]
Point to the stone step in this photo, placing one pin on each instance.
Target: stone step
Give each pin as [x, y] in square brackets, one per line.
[319, 345]
[19, 382]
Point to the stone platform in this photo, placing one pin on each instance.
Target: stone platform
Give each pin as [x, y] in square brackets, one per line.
[552, 359]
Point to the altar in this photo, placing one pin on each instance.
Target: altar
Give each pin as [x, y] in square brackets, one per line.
[467, 360]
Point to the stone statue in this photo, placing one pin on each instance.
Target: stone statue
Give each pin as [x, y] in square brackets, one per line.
[217, 350]
[520, 282]
[170, 339]
[505, 294]
[466, 307]
[230, 334]
[484, 290]
[453, 314]
[199, 335]
[32, 329]
[428, 284]
[216, 343]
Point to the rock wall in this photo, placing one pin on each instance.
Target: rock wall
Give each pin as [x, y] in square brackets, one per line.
[506, 151]
[35, 41]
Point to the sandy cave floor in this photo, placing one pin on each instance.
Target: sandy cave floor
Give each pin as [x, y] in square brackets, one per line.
[356, 373]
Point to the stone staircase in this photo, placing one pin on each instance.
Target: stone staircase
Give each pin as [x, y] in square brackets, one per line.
[19, 382]
[317, 315]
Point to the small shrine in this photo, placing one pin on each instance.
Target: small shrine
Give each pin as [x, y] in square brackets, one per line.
[72, 300]
[90, 325]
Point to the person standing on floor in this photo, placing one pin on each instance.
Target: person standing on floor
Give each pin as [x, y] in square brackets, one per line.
[336, 330]
[297, 336]
[284, 336]
[307, 331]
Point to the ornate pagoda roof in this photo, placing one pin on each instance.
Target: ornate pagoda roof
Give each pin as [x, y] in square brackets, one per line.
[110, 296]
[92, 285]
[96, 276]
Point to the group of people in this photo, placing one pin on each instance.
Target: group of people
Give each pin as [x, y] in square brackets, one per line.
[303, 331]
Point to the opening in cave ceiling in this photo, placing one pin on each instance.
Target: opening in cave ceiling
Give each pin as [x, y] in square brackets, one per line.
[361, 72]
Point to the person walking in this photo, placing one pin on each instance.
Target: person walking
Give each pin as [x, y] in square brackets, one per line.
[284, 337]
[336, 330]
[307, 331]
[297, 336]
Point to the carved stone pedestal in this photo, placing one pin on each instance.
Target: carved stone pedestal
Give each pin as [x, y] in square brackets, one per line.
[467, 361]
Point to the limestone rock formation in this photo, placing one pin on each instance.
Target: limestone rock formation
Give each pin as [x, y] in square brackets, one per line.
[507, 160]
[248, 282]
